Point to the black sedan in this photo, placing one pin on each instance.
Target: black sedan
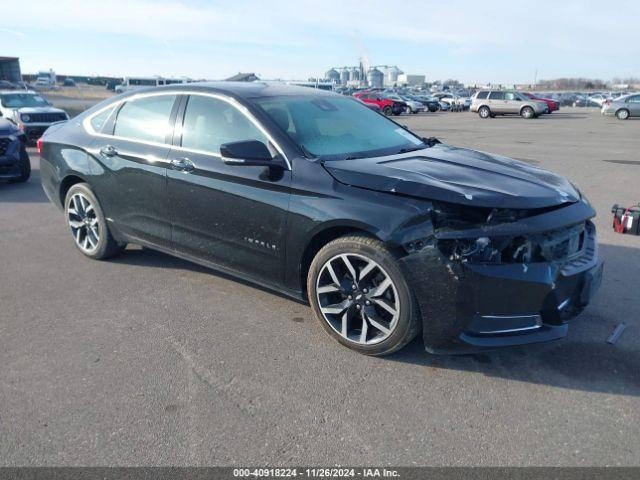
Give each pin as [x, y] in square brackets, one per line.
[14, 160]
[315, 196]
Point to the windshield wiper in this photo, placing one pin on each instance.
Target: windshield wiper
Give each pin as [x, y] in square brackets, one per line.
[412, 149]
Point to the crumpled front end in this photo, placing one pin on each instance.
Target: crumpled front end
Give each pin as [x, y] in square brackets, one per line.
[511, 279]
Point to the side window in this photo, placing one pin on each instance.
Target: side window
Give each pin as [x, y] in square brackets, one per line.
[145, 119]
[210, 122]
[482, 95]
[634, 99]
[98, 121]
[496, 96]
[510, 96]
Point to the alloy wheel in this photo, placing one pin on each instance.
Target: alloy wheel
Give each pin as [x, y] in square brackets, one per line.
[358, 298]
[83, 222]
[622, 114]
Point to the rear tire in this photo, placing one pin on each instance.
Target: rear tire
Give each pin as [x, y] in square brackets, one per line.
[381, 303]
[484, 112]
[622, 114]
[88, 225]
[25, 167]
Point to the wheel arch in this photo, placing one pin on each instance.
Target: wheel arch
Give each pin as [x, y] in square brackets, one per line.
[67, 182]
[621, 109]
[527, 106]
[323, 235]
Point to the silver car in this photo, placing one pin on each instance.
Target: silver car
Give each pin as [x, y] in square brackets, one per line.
[489, 103]
[623, 107]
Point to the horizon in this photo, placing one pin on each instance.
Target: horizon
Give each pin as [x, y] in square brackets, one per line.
[294, 41]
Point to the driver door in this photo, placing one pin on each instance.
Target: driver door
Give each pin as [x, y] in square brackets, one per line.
[230, 215]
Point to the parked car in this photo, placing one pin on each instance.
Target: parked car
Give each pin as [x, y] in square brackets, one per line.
[14, 159]
[371, 106]
[388, 106]
[430, 103]
[454, 100]
[623, 107]
[313, 195]
[69, 82]
[489, 103]
[598, 99]
[30, 111]
[412, 106]
[552, 105]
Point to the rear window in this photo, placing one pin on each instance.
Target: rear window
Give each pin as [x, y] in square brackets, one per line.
[98, 121]
[145, 119]
[482, 95]
[496, 96]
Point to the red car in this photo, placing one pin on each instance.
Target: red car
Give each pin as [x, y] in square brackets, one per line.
[388, 106]
[552, 105]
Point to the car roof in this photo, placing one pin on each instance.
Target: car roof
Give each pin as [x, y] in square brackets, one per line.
[242, 90]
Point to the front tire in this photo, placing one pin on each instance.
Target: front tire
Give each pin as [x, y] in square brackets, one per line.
[527, 112]
[622, 114]
[24, 165]
[484, 112]
[88, 225]
[387, 110]
[361, 297]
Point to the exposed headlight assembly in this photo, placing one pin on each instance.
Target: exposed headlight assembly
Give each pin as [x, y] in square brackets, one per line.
[25, 117]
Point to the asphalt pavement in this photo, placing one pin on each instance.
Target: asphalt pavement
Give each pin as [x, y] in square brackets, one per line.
[151, 360]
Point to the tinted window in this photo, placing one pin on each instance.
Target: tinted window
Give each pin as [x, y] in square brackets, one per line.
[209, 122]
[482, 95]
[145, 119]
[99, 120]
[496, 96]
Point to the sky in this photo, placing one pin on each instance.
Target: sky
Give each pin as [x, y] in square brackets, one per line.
[469, 40]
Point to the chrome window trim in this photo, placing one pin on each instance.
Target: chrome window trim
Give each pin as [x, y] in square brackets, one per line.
[86, 123]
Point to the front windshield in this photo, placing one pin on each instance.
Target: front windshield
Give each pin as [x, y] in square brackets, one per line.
[335, 127]
[21, 100]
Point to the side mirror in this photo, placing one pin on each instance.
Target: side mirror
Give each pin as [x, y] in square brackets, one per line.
[248, 153]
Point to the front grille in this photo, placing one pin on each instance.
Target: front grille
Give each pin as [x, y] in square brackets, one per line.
[4, 145]
[46, 117]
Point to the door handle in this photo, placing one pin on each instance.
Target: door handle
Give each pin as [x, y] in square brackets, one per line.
[182, 164]
[108, 151]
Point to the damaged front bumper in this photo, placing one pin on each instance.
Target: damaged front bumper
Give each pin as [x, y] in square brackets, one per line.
[468, 306]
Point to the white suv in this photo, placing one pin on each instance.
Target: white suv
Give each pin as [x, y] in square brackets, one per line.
[30, 111]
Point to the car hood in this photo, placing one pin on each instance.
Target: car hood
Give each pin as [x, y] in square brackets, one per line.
[457, 175]
[40, 110]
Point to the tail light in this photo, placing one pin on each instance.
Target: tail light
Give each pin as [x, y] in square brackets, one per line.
[607, 102]
[39, 146]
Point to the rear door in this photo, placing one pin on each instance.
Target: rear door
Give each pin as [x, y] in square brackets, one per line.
[496, 102]
[230, 215]
[134, 148]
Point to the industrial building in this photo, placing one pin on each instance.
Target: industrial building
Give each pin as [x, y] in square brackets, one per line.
[377, 76]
